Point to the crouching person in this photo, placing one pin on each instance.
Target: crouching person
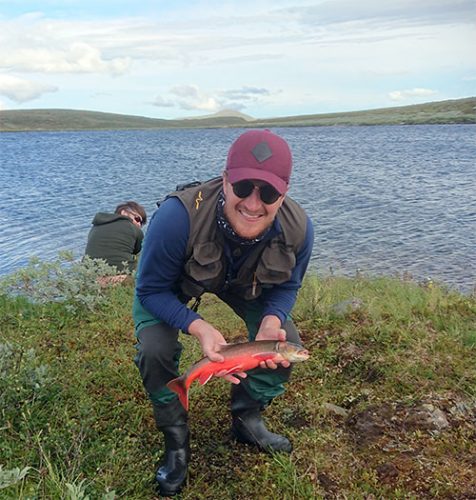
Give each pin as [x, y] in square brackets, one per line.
[241, 238]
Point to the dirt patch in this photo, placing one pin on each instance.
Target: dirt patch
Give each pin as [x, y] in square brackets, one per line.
[433, 415]
[412, 446]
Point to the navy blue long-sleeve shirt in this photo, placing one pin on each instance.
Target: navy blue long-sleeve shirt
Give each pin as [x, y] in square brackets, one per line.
[163, 257]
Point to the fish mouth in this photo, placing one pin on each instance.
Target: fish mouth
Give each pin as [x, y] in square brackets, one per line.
[292, 351]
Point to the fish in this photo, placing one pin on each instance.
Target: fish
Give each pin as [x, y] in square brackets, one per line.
[238, 358]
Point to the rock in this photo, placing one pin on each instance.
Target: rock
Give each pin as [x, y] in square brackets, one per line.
[347, 306]
[426, 417]
[337, 410]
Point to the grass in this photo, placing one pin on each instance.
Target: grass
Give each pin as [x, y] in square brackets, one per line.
[440, 112]
[385, 356]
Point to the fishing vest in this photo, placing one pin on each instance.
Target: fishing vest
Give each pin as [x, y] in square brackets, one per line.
[269, 263]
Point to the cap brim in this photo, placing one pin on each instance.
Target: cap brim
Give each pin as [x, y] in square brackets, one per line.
[241, 174]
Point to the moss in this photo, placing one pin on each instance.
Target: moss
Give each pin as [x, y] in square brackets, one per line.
[74, 410]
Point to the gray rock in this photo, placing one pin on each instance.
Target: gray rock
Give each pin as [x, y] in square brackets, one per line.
[347, 306]
[337, 410]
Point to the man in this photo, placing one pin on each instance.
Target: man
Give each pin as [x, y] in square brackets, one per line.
[117, 238]
[242, 239]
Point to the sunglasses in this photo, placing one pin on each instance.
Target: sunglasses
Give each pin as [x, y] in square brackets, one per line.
[138, 219]
[267, 193]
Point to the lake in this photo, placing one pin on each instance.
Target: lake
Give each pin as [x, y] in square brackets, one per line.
[385, 200]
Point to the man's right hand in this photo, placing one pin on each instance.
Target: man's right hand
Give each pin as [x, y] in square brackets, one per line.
[211, 341]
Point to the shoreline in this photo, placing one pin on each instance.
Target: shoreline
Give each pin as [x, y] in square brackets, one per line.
[454, 111]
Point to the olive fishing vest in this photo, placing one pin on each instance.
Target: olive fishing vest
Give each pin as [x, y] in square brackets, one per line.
[269, 263]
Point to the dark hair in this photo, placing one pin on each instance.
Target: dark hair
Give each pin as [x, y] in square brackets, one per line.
[135, 207]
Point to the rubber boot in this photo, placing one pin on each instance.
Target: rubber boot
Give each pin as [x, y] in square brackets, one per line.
[248, 426]
[172, 471]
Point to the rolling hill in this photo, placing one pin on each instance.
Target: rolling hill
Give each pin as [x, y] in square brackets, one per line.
[441, 112]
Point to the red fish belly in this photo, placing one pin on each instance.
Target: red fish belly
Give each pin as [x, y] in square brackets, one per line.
[229, 366]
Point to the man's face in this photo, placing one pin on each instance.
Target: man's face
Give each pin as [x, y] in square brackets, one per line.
[250, 216]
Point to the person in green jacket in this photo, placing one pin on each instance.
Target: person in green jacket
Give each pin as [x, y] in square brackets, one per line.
[117, 238]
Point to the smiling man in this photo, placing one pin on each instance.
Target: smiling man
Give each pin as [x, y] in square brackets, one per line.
[240, 237]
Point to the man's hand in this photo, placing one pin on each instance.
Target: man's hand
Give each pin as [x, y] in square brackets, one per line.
[270, 329]
[211, 341]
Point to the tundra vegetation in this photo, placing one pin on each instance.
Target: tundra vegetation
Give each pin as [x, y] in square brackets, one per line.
[441, 112]
[385, 407]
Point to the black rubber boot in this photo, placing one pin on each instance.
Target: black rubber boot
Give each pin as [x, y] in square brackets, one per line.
[172, 471]
[248, 426]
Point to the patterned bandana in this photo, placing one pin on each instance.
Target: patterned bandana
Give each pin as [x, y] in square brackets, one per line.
[228, 231]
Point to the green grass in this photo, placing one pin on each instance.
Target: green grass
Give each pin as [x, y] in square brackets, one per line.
[75, 421]
[440, 112]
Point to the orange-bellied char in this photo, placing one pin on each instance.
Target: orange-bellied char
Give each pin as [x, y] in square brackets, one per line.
[238, 358]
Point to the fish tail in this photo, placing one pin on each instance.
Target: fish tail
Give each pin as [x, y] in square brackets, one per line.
[178, 386]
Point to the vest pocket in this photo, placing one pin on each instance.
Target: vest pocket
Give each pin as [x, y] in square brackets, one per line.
[205, 264]
[276, 265]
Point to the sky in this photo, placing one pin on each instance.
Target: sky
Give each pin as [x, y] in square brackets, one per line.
[265, 58]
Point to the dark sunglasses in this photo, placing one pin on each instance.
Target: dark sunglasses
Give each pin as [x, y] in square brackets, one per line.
[267, 193]
[138, 219]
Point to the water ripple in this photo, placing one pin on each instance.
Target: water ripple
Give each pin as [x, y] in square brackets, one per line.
[385, 200]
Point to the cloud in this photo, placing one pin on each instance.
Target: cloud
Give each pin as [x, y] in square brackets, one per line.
[402, 95]
[161, 102]
[245, 93]
[401, 12]
[78, 57]
[268, 32]
[187, 91]
[273, 58]
[20, 90]
[191, 97]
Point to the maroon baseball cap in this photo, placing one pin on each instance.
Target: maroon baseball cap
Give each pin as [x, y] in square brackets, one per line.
[261, 155]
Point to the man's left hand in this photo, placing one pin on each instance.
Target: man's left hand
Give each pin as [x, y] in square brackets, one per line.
[270, 329]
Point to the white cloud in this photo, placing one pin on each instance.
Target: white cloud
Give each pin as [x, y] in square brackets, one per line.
[78, 57]
[402, 95]
[191, 97]
[273, 58]
[20, 90]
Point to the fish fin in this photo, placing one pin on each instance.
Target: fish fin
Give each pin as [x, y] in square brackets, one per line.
[263, 356]
[234, 369]
[204, 378]
[178, 386]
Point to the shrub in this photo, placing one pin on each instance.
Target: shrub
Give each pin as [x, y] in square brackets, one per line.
[76, 283]
[23, 379]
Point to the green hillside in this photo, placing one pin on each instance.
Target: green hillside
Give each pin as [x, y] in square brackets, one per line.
[450, 111]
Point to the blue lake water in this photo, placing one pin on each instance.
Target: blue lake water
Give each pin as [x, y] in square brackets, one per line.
[385, 200]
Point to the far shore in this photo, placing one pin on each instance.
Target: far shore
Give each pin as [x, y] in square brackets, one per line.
[455, 111]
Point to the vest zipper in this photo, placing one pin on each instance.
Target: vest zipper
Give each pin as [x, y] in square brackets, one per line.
[253, 289]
